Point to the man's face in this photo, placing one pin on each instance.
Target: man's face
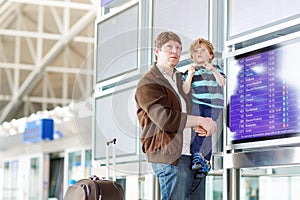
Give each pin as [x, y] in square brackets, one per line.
[168, 54]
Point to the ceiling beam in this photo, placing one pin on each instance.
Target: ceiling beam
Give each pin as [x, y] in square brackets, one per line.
[61, 4]
[34, 77]
[55, 69]
[8, 14]
[46, 36]
[5, 6]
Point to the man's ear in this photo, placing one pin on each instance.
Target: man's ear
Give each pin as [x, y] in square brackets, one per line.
[156, 50]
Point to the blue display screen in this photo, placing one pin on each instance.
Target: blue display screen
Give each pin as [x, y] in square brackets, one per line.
[264, 94]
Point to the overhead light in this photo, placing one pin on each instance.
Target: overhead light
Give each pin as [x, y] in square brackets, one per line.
[3, 131]
[58, 114]
[6, 125]
[33, 117]
[14, 123]
[12, 131]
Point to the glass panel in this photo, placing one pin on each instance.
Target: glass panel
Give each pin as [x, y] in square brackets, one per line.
[10, 186]
[74, 167]
[5, 179]
[245, 15]
[111, 123]
[56, 178]
[34, 179]
[88, 163]
[182, 18]
[271, 183]
[249, 188]
[111, 5]
[1, 179]
[121, 32]
[147, 185]
[214, 187]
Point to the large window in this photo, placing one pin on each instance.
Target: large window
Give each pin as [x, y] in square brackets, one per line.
[189, 19]
[117, 43]
[248, 16]
[10, 187]
[34, 179]
[115, 117]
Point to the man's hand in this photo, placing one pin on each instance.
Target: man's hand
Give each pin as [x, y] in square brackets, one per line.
[200, 130]
[208, 127]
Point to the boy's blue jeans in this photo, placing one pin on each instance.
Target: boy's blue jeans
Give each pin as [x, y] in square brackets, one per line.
[178, 182]
[203, 144]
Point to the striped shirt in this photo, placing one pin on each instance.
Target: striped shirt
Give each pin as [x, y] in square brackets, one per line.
[205, 88]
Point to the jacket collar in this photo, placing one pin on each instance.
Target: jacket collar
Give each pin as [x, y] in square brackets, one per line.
[157, 73]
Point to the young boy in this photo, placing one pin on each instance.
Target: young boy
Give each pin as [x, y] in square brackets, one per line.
[205, 81]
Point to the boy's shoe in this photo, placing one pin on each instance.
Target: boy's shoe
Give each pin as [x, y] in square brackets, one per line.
[200, 173]
[198, 161]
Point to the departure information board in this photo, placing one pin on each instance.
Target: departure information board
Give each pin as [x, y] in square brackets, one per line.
[264, 100]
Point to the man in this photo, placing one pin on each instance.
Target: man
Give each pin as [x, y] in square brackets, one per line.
[163, 112]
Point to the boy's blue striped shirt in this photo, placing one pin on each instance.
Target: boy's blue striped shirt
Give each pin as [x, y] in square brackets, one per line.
[205, 89]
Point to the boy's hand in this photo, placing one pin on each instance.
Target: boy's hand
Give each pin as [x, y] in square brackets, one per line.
[208, 66]
[191, 71]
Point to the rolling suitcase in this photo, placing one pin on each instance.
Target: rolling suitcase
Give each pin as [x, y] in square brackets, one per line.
[94, 188]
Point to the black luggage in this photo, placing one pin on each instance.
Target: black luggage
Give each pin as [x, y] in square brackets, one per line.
[94, 188]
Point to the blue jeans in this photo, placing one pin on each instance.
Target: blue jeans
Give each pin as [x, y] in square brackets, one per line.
[178, 182]
[203, 144]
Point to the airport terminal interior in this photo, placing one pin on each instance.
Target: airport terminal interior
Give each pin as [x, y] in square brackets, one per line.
[69, 70]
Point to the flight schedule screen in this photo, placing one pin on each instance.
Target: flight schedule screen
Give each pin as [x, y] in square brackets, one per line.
[264, 94]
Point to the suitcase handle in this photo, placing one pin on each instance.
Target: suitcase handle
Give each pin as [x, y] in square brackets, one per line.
[113, 142]
[94, 178]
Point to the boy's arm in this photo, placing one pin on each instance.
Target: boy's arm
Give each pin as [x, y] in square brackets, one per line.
[186, 87]
[221, 80]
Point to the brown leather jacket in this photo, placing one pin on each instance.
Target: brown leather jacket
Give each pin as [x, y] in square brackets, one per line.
[160, 116]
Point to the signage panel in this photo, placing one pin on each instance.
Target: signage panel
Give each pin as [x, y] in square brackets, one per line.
[38, 130]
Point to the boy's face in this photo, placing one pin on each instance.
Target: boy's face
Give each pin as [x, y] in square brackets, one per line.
[201, 55]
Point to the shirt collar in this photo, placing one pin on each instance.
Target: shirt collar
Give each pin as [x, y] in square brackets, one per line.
[166, 74]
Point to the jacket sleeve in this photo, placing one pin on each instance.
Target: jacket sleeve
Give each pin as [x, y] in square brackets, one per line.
[163, 109]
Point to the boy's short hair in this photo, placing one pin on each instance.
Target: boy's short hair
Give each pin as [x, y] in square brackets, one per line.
[201, 41]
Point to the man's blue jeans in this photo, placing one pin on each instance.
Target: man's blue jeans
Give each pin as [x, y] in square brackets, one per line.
[178, 182]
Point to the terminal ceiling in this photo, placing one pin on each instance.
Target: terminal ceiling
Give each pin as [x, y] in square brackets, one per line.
[46, 54]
